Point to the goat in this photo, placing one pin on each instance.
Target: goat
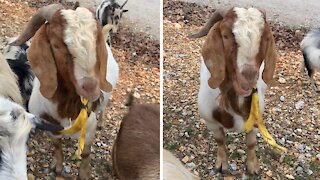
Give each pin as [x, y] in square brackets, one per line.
[16, 57]
[109, 14]
[238, 54]
[173, 169]
[136, 151]
[70, 59]
[15, 126]
[310, 47]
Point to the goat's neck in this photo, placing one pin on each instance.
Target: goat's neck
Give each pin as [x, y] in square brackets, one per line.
[13, 160]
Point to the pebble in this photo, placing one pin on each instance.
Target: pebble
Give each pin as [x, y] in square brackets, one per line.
[240, 151]
[310, 172]
[191, 165]
[185, 159]
[299, 105]
[289, 176]
[181, 55]
[282, 141]
[177, 26]
[282, 98]
[282, 80]
[31, 177]
[67, 169]
[233, 166]
[301, 148]
[318, 156]
[269, 173]
[299, 169]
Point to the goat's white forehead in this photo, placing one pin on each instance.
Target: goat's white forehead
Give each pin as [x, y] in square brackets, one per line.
[247, 29]
[80, 36]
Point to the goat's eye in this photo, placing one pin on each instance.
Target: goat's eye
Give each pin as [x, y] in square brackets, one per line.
[225, 37]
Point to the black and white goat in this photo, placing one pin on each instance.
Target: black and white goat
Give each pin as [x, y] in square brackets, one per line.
[16, 57]
[109, 13]
[310, 47]
[15, 125]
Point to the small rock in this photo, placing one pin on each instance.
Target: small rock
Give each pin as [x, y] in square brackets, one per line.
[233, 166]
[310, 172]
[269, 173]
[299, 105]
[282, 141]
[289, 176]
[299, 169]
[185, 159]
[31, 176]
[240, 151]
[190, 166]
[318, 156]
[282, 80]
[177, 26]
[67, 169]
[181, 55]
[301, 148]
[282, 98]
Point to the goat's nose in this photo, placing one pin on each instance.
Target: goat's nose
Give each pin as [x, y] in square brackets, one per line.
[89, 84]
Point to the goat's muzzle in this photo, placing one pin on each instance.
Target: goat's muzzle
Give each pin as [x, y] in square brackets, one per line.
[246, 80]
[89, 88]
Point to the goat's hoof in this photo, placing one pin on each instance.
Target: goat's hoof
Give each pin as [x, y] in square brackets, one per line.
[85, 174]
[253, 167]
[221, 167]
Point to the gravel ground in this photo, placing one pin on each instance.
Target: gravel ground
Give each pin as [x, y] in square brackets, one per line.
[138, 58]
[291, 114]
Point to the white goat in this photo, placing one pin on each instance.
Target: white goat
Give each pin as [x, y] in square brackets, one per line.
[310, 47]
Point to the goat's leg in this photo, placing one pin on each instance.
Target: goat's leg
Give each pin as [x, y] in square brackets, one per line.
[222, 156]
[313, 84]
[252, 162]
[85, 169]
[58, 155]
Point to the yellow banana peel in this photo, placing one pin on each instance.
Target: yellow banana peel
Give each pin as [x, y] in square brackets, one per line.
[79, 124]
[255, 115]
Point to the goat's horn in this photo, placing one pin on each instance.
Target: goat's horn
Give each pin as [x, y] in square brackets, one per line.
[216, 16]
[42, 15]
[124, 4]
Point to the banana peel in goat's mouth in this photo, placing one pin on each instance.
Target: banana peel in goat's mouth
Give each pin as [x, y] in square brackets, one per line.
[79, 124]
[255, 115]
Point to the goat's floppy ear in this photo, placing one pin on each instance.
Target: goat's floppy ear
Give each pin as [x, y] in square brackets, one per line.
[270, 59]
[102, 57]
[43, 63]
[213, 55]
[41, 124]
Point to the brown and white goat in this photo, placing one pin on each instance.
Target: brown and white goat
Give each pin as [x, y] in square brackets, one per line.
[136, 151]
[238, 54]
[70, 59]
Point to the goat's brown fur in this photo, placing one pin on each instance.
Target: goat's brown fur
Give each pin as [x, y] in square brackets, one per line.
[136, 151]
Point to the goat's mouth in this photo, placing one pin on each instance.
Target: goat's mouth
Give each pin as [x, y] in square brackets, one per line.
[244, 82]
[88, 88]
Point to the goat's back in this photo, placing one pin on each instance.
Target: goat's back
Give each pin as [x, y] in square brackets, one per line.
[9, 87]
[136, 152]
